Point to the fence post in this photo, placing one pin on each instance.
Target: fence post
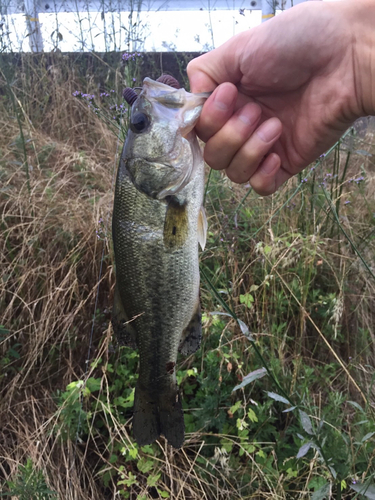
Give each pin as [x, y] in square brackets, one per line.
[33, 25]
[268, 9]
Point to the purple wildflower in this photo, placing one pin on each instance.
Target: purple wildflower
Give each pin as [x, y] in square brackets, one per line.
[127, 56]
[346, 202]
[76, 93]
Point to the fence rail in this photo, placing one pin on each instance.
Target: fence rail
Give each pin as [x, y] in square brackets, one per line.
[88, 9]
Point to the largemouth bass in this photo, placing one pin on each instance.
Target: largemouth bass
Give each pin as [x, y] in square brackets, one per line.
[158, 221]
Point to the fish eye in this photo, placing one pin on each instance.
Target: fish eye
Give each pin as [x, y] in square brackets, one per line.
[139, 122]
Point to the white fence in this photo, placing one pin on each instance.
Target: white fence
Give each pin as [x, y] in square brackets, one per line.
[110, 15]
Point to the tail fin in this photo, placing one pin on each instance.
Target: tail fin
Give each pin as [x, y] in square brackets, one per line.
[146, 425]
[172, 423]
[155, 416]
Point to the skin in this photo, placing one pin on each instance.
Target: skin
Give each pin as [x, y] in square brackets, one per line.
[285, 91]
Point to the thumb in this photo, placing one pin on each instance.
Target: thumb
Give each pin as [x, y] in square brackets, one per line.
[218, 66]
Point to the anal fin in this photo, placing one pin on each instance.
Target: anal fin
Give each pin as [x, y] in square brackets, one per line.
[192, 335]
[122, 327]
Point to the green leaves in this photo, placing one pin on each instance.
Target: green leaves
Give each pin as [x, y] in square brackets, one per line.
[306, 422]
[277, 397]
[153, 479]
[365, 489]
[29, 484]
[304, 449]
[247, 299]
[255, 375]
[323, 493]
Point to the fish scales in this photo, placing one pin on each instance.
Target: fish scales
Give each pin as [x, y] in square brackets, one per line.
[153, 277]
[157, 222]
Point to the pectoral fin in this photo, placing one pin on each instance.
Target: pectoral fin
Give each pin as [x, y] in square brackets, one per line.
[175, 225]
[192, 335]
[202, 228]
[122, 327]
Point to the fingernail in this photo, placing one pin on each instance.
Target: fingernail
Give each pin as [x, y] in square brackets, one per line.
[269, 130]
[250, 114]
[269, 164]
[223, 100]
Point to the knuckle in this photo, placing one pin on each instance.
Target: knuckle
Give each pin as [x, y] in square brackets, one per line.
[212, 158]
[256, 152]
[236, 176]
[190, 67]
[263, 188]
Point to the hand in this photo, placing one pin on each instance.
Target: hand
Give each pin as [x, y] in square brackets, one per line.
[285, 91]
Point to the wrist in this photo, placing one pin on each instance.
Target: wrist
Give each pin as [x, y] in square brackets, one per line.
[361, 15]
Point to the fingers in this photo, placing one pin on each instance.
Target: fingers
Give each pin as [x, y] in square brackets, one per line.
[253, 151]
[240, 148]
[217, 111]
[269, 176]
[228, 124]
[221, 149]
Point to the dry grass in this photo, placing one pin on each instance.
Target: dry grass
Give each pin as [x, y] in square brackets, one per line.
[50, 257]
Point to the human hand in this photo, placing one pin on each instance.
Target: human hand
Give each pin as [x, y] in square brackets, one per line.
[285, 91]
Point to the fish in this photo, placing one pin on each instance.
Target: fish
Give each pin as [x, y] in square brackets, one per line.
[157, 226]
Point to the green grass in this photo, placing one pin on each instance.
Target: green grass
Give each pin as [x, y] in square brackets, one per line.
[287, 292]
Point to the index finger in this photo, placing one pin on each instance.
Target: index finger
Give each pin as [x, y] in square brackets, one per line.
[217, 110]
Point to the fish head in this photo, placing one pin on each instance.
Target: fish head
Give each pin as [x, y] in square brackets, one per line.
[160, 148]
